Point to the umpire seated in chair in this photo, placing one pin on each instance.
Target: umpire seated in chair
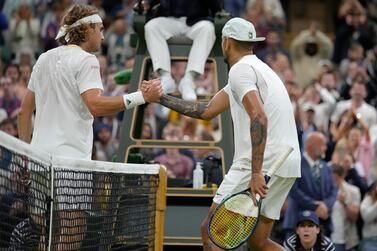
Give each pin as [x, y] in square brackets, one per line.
[193, 19]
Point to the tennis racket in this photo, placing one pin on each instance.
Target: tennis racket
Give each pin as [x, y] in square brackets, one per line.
[236, 217]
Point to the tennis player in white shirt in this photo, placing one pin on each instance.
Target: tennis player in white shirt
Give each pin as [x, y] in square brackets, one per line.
[263, 123]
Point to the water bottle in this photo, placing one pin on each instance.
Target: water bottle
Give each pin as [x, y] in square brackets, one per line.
[198, 176]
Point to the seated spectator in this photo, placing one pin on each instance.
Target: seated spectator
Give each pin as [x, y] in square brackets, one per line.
[205, 83]
[106, 145]
[176, 18]
[117, 40]
[9, 101]
[345, 212]
[368, 212]
[306, 125]
[355, 72]
[308, 235]
[12, 71]
[177, 164]
[307, 48]
[355, 54]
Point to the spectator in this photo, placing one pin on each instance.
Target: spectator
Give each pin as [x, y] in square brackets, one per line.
[353, 26]
[177, 164]
[357, 104]
[307, 48]
[118, 42]
[9, 100]
[273, 46]
[308, 235]
[355, 54]
[315, 190]
[345, 212]
[235, 7]
[105, 142]
[357, 143]
[306, 125]
[272, 12]
[24, 29]
[205, 83]
[12, 71]
[322, 102]
[354, 73]
[125, 11]
[368, 211]
[156, 122]
[190, 18]
[352, 176]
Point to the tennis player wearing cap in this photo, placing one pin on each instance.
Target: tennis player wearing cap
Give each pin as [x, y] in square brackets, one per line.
[65, 89]
[263, 122]
[308, 235]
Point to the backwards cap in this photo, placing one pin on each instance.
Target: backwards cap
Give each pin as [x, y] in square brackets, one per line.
[241, 30]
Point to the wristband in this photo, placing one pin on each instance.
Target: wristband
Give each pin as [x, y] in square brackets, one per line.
[133, 99]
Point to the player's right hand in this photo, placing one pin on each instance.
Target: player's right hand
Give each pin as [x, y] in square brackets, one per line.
[258, 186]
[151, 90]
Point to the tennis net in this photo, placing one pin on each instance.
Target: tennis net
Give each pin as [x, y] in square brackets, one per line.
[53, 203]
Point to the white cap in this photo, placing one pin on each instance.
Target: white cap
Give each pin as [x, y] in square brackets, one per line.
[241, 30]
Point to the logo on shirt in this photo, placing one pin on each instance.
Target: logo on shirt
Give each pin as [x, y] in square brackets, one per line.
[128, 101]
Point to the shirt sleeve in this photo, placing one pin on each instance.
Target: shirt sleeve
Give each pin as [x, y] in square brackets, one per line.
[88, 76]
[242, 79]
[34, 75]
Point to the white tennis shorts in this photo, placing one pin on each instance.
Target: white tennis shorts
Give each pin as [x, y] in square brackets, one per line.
[238, 179]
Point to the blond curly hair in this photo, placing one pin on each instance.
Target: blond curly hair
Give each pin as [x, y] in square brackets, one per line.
[78, 34]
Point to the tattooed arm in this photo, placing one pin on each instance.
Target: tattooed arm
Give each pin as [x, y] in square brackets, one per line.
[195, 109]
[258, 134]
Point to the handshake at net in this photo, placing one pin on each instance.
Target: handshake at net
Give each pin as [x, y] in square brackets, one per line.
[151, 90]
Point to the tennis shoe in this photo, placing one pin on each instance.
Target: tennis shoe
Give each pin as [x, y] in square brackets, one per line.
[168, 84]
[186, 88]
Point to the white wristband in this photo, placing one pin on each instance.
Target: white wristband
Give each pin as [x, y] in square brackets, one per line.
[133, 99]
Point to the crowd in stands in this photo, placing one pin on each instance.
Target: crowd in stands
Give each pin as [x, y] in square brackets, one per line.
[331, 80]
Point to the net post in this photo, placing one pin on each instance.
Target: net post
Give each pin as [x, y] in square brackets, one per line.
[160, 209]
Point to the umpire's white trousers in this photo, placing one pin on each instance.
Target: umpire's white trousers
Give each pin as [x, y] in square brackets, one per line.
[160, 29]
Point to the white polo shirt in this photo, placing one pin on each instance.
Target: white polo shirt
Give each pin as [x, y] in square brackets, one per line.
[251, 74]
[63, 123]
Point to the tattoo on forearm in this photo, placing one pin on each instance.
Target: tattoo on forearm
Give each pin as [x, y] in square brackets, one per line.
[258, 141]
[257, 131]
[188, 108]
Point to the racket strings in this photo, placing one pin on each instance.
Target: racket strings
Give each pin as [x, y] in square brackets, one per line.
[228, 228]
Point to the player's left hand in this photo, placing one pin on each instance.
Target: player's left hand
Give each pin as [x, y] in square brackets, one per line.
[258, 186]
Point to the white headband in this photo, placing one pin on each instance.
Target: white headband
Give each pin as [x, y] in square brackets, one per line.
[92, 19]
